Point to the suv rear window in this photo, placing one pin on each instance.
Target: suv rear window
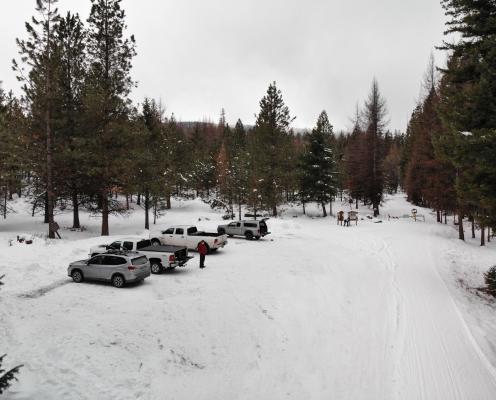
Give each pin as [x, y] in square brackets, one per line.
[140, 260]
[143, 244]
[114, 260]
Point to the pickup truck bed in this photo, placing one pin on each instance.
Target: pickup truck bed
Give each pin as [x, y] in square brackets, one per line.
[181, 253]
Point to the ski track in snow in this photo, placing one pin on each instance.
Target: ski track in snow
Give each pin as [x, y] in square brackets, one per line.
[316, 311]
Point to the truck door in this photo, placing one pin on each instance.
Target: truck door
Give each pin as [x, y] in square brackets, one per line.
[179, 238]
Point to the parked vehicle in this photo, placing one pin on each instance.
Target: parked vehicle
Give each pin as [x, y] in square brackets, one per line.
[161, 257]
[189, 236]
[250, 229]
[120, 268]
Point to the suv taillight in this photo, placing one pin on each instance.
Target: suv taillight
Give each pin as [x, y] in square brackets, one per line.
[131, 268]
[172, 258]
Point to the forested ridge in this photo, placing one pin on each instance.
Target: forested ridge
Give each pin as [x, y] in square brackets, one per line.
[75, 140]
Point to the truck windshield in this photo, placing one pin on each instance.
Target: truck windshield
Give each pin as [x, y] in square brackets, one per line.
[143, 243]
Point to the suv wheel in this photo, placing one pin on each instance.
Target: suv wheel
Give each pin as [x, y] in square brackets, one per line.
[118, 281]
[156, 267]
[155, 242]
[249, 235]
[77, 276]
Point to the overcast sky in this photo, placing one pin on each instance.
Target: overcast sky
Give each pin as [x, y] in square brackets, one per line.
[199, 56]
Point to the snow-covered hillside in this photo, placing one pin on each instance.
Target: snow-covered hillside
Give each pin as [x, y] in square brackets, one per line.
[315, 311]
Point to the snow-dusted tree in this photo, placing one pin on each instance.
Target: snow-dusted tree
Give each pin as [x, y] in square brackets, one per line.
[318, 166]
[271, 137]
[39, 53]
[107, 107]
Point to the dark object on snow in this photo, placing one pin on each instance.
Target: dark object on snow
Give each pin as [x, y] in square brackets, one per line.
[1, 277]
[203, 250]
[490, 278]
[6, 377]
[54, 227]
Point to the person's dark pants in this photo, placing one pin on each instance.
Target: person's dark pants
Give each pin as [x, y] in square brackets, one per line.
[202, 260]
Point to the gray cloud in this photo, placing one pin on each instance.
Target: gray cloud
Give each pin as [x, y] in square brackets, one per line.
[199, 56]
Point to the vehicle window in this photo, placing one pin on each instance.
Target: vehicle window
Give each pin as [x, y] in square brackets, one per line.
[127, 245]
[263, 224]
[115, 245]
[113, 260]
[250, 225]
[179, 231]
[142, 244]
[97, 260]
[233, 224]
[169, 231]
[140, 260]
[238, 224]
[192, 230]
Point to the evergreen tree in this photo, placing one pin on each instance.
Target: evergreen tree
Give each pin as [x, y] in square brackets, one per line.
[69, 159]
[270, 138]
[468, 105]
[105, 99]
[39, 53]
[318, 166]
[375, 113]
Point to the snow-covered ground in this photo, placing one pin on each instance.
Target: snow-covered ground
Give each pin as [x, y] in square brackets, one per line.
[315, 311]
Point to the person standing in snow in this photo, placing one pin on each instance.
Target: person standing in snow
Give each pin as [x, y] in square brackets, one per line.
[203, 250]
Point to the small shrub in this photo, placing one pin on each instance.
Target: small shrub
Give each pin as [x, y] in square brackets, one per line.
[6, 377]
[490, 278]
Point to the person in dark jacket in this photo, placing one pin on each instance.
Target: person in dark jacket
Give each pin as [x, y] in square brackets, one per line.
[203, 250]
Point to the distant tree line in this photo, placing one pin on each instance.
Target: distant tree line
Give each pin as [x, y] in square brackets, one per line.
[74, 140]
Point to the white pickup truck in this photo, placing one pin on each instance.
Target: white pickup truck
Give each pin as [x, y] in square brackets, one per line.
[160, 257]
[190, 237]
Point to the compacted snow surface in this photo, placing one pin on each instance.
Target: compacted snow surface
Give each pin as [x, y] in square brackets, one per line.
[314, 311]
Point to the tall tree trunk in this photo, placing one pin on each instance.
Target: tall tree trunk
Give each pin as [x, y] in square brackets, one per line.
[168, 205]
[324, 209]
[49, 144]
[438, 214]
[304, 209]
[5, 206]
[330, 207]
[472, 220]
[356, 203]
[488, 234]
[274, 210]
[461, 232]
[105, 213]
[47, 219]
[75, 211]
[239, 207]
[445, 218]
[147, 207]
[127, 202]
[139, 199]
[155, 206]
[483, 235]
